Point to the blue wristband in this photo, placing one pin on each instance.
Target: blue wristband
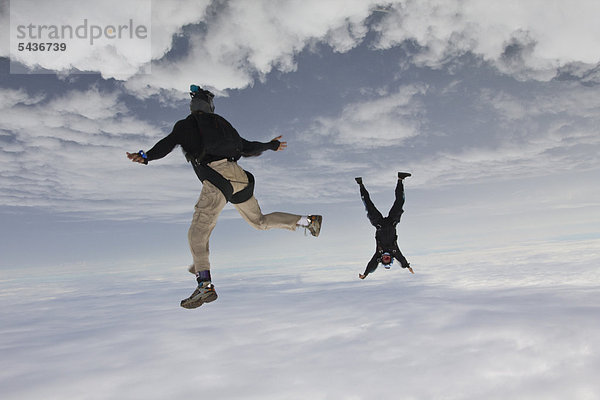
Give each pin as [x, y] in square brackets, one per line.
[141, 153]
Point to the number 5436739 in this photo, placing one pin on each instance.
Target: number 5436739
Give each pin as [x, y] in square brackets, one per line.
[35, 46]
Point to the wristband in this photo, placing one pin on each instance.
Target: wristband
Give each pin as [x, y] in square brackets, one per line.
[144, 156]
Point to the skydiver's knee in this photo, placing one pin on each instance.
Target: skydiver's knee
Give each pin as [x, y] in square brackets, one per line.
[258, 222]
[200, 231]
[261, 224]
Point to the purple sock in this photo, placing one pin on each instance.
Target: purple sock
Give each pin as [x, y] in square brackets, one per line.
[203, 276]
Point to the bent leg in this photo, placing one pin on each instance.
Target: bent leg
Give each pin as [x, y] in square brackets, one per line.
[206, 212]
[373, 213]
[397, 208]
[251, 212]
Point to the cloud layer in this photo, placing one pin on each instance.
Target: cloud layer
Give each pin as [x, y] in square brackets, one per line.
[446, 135]
[474, 330]
[59, 151]
[528, 40]
[230, 44]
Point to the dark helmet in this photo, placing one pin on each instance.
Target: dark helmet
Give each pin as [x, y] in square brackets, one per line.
[202, 100]
[387, 260]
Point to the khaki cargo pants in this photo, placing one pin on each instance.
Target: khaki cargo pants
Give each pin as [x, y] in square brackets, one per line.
[211, 203]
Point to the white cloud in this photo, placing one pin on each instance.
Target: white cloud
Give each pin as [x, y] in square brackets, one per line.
[168, 19]
[67, 153]
[233, 42]
[521, 136]
[524, 135]
[525, 39]
[302, 331]
[531, 136]
[245, 40]
[119, 59]
[383, 121]
[93, 36]
[247, 30]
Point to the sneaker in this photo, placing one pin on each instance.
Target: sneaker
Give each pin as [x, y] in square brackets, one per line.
[402, 175]
[203, 294]
[315, 224]
[358, 180]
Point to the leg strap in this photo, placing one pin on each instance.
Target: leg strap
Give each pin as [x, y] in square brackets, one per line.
[204, 172]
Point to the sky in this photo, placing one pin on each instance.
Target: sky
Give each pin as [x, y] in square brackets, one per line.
[493, 108]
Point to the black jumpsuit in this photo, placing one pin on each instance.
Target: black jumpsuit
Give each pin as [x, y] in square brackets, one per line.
[385, 235]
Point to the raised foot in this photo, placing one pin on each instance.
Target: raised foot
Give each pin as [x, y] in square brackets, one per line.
[315, 224]
[203, 294]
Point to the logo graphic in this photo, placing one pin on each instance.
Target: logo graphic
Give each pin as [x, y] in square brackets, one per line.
[112, 37]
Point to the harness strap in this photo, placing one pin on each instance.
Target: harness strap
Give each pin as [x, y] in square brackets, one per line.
[204, 172]
[247, 192]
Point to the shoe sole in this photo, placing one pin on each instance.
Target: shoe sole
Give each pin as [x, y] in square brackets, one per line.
[318, 230]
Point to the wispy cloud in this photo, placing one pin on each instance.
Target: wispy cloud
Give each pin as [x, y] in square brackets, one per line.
[374, 122]
[65, 152]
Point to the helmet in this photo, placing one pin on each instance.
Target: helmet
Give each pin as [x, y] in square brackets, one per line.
[202, 100]
[387, 260]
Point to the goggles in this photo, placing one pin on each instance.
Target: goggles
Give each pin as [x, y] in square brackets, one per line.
[387, 260]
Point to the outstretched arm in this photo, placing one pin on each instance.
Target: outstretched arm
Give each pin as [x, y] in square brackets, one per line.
[253, 149]
[161, 148]
[401, 259]
[371, 266]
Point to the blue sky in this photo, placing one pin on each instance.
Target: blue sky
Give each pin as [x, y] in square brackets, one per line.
[494, 108]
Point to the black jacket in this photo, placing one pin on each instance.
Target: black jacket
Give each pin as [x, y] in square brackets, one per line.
[186, 134]
[387, 242]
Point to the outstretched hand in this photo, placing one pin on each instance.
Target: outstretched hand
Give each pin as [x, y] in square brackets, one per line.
[361, 276]
[411, 270]
[136, 157]
[282, 145]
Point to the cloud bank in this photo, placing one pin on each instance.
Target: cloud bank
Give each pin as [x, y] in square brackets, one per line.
[230, 44]
[527, 40]
[309, 331]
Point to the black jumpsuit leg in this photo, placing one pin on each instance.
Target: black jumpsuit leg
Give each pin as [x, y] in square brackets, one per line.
[396, 211]
[372, 212]
[395, 214]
